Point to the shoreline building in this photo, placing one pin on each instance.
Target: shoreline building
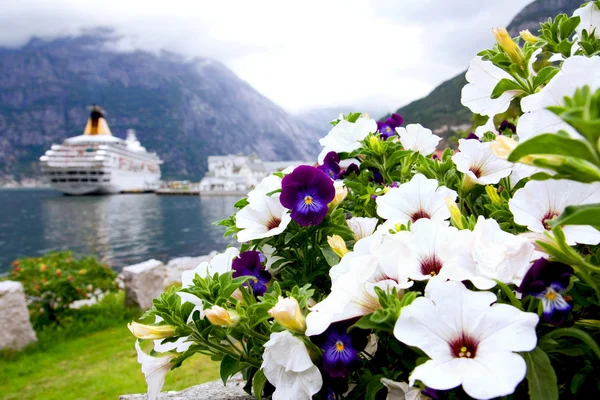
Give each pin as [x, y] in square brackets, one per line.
[237, 174]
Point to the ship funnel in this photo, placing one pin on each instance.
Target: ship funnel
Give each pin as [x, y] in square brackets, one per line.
[97, 125]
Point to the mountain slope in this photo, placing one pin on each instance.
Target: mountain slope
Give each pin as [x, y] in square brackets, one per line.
[442, 106]
[184, 110]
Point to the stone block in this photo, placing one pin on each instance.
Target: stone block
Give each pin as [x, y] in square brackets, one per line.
[16, 331]
[143, 282]
[176, 266]
[207, 391]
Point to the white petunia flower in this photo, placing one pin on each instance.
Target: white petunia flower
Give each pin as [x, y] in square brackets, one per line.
[362, 227]
[470, 343]
[419, 198]
[540, 201]
[345, 136]
[288, 367]
[374, 263]
[522, 171]
[219, 264]
[416, 137]
[590, 19]
[154, 369]
[576, 72]
[267, 185]
[265, 217]
[428, 247]
[483, 76]
[401, 391]
[476, 160]
[494, 255]
[363, 247]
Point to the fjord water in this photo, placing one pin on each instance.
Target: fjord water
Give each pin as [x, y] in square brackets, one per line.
[119, 229]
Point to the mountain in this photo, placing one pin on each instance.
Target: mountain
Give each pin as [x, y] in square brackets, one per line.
[442, 106]
[183, 109]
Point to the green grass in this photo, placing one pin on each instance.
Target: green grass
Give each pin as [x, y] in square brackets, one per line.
[69, 365]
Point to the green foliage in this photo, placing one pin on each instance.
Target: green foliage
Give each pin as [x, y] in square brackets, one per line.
[540, 376]
[54, 281]
[557, 35]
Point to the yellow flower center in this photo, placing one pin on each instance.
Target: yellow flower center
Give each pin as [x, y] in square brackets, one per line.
[255, 280]
[308, 200]
[339, 346]
[550, 295]
[464, 352]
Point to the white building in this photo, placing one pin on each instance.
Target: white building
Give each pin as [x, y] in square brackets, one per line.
[239, 173]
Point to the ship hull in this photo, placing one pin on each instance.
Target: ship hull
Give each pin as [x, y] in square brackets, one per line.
[116, 181]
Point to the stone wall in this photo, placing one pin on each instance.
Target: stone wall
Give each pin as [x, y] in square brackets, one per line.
[207, 391]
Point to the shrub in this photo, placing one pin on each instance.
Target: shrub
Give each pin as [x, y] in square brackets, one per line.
[54, 281]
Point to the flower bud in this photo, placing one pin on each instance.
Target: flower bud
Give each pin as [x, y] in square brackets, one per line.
[341, 192]
[221, 317]
[455, 214]
[535, 237]
[375, 144]
[337, 245]
[287, 313]
[237, 294]
[43, 267]
[153, 332]
[529, 37]
[503, 146]
[493, 193]
[509, 46]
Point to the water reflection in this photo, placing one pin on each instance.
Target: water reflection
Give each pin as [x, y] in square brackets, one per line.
[120, 229]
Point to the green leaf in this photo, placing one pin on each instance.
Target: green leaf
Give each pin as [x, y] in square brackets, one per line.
[578, 334]
[540, 376]
[545, 75]
[241, 203]
[258, 383]
[229, 366]
[587, 214]
[373, 387]
[330, 256]
[503, 86]
[553, 144]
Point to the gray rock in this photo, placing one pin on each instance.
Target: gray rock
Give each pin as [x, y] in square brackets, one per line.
[176, 266]
[207, 391]
[143, 282]
[16, 331]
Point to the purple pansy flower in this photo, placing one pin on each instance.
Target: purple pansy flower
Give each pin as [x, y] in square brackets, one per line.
[331, 165]
[472, 136]
[377, 177]
[504, 125]
[340, 355]
[250, 263]
[388, 127]
[352, 169]
[547, 281]
[307, 191]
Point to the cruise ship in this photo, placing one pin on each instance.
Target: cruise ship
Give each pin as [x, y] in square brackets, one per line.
[99, 163]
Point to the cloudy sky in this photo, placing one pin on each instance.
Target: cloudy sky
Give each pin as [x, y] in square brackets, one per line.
[375, 55]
